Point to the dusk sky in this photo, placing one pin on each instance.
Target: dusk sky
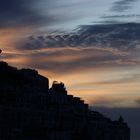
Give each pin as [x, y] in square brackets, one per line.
[93, 46]
[61, 40]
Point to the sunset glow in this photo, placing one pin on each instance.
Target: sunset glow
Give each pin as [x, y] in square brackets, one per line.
[97, 62]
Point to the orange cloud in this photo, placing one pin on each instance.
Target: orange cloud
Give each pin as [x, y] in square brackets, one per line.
[10, 36]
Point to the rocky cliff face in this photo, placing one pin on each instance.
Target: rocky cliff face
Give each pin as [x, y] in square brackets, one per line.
[29, 110]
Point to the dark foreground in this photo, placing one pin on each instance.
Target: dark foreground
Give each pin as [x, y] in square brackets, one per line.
[30, 110]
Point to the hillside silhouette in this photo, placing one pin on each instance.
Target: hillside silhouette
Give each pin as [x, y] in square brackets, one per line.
[30, 110]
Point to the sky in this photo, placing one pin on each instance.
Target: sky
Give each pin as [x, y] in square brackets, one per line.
[93, 46]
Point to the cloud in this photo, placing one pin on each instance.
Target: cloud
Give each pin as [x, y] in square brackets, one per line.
[119, 36]
[111, 102]
[120, 16]
[19, 13]
[71, 60]
[138, 101]
[125, 80]
[123, 5]
[88, 47]
[106, 102]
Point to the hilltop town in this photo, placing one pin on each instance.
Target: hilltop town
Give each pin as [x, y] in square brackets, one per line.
[30, 110]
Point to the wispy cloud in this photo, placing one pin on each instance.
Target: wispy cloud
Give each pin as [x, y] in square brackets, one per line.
[102, 101]
[117, 36]
[120, 16]
[124, 80]
[89, 46]
[138, 101]
[123, 5]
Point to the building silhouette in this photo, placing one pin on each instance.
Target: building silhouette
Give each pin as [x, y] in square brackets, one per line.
[30, 110]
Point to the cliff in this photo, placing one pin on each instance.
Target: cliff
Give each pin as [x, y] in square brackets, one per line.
[30, 110]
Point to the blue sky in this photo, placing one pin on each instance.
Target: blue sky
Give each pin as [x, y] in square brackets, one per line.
[69, 15]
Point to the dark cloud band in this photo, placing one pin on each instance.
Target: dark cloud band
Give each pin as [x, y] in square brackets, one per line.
[114, 44]
[17, 13]
[122, 5]
[118, 36]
